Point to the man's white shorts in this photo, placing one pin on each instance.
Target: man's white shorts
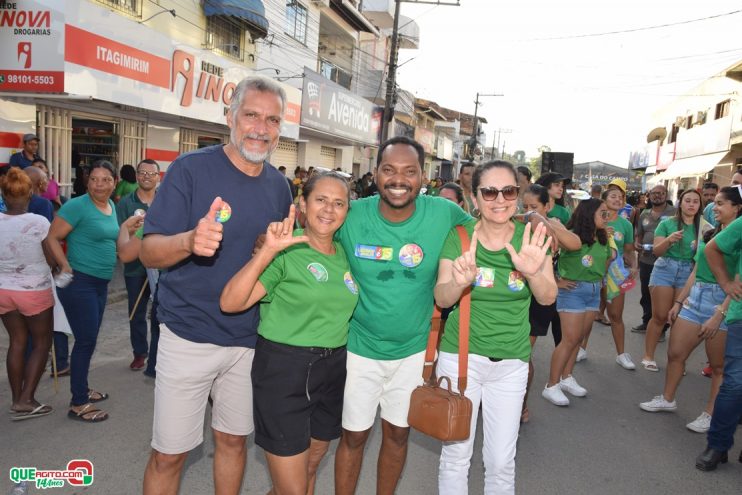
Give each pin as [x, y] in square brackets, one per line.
[372, 382]
[187, 373]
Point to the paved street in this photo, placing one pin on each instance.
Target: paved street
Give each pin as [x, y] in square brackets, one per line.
[603, 444]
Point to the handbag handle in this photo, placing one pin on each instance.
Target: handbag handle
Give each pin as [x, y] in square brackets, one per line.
[464, 317]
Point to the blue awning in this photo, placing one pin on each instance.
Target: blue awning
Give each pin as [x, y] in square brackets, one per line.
[251, 12]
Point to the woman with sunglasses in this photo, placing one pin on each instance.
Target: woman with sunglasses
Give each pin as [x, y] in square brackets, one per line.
[536, 200]
[700, 317]
[579, 301]
[504, 266]
[675, 243]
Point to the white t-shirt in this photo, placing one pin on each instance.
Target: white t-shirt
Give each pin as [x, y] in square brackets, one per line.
[22, 262]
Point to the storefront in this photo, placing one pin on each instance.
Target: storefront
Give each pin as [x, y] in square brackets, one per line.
[131, 94]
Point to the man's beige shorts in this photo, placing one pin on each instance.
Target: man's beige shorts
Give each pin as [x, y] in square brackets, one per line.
[371, 382]
[187, 373]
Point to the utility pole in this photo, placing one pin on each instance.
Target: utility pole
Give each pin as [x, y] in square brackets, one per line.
[391, 79]
[475, 127]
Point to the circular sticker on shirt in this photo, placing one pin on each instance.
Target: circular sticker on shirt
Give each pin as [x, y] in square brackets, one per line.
[618, 236]
[319, 271]
[410, 255]
[485, 277]
[645, 222]
[224, 213]
[349, 283]
[587, 261]
[516, 282]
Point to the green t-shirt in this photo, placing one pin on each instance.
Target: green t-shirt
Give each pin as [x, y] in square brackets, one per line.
[500, 300]
[310, 297]
[703, 272]
[729, 242]
[123, 188]
[623, 233]
[587, 264]
[124, 209]
[396, 264]
[683, 250]
[559, 212]
[91, 245]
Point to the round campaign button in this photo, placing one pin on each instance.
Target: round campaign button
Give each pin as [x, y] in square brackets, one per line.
[618, 236]
[516, 282]
[587, 261]
[410, 255]
[319, 271]
[224, 213]
[139, 212]
[350, 283]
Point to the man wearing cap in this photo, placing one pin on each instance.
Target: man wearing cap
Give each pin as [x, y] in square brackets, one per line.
[554, 183]
[28, 154]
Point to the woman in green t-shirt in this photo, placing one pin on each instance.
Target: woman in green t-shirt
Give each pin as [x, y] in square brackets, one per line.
[675, 243]
[127, 184]
[578, 303]
[503, 267]
[699, 317]
[298, 373]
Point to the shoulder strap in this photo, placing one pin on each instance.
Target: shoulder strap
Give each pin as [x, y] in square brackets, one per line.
[464, 317]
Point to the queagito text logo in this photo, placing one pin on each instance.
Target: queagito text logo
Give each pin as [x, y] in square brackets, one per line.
[79, 472]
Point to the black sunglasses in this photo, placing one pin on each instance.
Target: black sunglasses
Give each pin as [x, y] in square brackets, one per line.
[509, 193]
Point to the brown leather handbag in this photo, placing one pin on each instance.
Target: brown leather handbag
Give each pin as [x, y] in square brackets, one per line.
[434, 409]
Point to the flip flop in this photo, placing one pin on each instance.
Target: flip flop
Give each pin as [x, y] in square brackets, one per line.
[87, 410]
[37, 412]
[603, 321]
[650, 365]
[64, 372]
[101, 396]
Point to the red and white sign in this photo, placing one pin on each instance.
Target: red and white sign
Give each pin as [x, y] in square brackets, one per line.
[31, 55]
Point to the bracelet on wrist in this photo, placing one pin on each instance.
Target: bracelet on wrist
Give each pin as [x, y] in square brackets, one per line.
[723, 313]
[679, 302]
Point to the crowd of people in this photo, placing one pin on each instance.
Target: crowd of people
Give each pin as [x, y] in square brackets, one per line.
[227, 244]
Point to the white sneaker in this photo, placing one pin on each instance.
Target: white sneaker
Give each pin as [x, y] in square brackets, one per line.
[701, 424]
[570, 385]
[555, 395]
[625, 361]
[581, 355]
[658, 404]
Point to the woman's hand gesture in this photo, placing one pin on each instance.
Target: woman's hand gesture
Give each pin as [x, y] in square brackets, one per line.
[279, 235]
[465, 266]
[530, 259]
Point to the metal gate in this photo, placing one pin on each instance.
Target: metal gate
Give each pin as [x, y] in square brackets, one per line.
[327, 157]
[55, 133]
[286, 154]
[133, 139]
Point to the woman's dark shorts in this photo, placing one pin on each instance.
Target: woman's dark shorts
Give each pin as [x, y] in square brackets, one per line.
[541, 317]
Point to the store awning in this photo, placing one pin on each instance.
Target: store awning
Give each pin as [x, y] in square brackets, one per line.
[353, 16]
[251, 12]
[695, 165]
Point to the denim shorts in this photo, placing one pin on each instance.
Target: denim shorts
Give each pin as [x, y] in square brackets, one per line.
[585, 297]
[669, 272]
[703, 299]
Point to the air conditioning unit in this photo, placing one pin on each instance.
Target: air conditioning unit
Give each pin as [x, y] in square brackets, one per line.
[700, 118]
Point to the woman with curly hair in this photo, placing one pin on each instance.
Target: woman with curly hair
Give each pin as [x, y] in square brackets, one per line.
[578, 302]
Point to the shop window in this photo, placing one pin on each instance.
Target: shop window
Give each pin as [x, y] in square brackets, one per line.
[722, 109]
[94, 140]
[131, 7]
[296, 21]
[335, 73]
[225, 37]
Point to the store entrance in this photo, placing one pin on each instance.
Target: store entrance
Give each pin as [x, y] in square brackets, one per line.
[93, 140]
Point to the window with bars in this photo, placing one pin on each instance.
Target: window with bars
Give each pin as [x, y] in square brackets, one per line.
[131, 7]
[225, 37]
[296, 21]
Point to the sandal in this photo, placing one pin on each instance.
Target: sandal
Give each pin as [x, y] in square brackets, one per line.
[64, 372]
[94, 396]
[88, 414]
[36, 412]
[650, 365]
[603, 320]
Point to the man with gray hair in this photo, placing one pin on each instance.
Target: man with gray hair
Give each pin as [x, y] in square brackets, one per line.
[213, 204]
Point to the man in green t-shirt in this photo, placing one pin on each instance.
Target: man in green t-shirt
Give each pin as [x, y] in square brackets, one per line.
[393, 242]
[720, 436]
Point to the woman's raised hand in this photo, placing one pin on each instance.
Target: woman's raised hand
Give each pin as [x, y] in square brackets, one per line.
[465, 266]
[530, 259]
[280, 235]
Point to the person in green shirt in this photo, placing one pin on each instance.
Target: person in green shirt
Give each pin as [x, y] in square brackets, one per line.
[623, 236]
[128, 183]
[675, 243]
[298, 374]
[697, 318]
[578, 303]
[503, 266]
[554, 183]
[720, 436]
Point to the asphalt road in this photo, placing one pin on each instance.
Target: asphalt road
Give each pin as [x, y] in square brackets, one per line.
[602, 444]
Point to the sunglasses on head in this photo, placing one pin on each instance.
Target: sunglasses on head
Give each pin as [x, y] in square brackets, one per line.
[509, 193]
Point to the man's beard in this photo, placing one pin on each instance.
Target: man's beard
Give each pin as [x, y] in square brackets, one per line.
[251, 156]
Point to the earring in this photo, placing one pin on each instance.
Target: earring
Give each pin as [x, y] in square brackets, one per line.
[475, 213]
